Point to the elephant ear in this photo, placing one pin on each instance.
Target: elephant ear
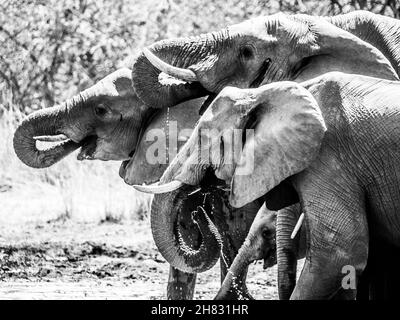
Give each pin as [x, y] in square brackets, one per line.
[287, 137]
[322, 47]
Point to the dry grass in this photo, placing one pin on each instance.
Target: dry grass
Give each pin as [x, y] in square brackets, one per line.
[71, 189]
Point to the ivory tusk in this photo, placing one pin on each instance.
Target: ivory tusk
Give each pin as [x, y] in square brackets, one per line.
[297, 226]
[195, 191]
[156, 189]
[179, 73]
[55, 138]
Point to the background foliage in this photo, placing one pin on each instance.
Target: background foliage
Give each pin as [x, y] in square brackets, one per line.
[52, 49]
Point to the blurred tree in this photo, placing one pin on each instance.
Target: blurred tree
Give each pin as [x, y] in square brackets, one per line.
[52, 49]
[385, 7]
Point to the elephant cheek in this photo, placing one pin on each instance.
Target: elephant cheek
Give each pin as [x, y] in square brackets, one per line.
[104, 150]
[76, 133]
[147, 174]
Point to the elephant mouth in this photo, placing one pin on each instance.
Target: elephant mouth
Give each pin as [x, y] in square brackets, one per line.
[88, 148]
[124, 164]
[208, 182]
[122, 169]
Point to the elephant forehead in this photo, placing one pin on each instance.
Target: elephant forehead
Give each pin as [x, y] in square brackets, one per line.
[276, 27]
[101, 88]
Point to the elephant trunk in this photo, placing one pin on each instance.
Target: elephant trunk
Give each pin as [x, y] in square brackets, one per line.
[231, 283]
[163, 89]
[287, 250]
[167, 207]
[45, 122]
[167, 236]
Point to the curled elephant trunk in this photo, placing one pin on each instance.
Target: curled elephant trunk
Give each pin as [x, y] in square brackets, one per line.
[163, 74]
[168, 208]
[44, 123]
[165, 211]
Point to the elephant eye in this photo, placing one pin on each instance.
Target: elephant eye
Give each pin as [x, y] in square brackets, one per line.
[246, 52]
[100, 110]
[266, 234]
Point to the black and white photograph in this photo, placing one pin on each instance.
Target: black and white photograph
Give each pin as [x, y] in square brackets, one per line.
[228, 150]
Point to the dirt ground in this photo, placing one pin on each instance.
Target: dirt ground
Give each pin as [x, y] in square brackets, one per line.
[107, 260]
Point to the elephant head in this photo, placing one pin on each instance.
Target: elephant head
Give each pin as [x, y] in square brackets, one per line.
[104, 120]
[249, 54]
[255, 52]
[285, 128]
[107, 121]
[271, 237]
[162, 138]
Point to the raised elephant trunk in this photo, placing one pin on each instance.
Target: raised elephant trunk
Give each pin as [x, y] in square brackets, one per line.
[176, 58]
[46, 122]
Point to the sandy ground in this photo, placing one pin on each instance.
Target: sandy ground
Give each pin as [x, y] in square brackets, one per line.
[87, 260]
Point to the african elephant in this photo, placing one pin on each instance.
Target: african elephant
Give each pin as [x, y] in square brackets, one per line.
[147, 79]
[271, 238]
[108, 121]
[264, 50]
[262, 242]
[164, 135]
[287, 248]
[267, 49]
[333, 139]
[99, 120]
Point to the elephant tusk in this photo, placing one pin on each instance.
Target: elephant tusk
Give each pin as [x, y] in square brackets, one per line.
[156, 189]
[55, 138]
[179, 73]
[195, 191]
[297, 226]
